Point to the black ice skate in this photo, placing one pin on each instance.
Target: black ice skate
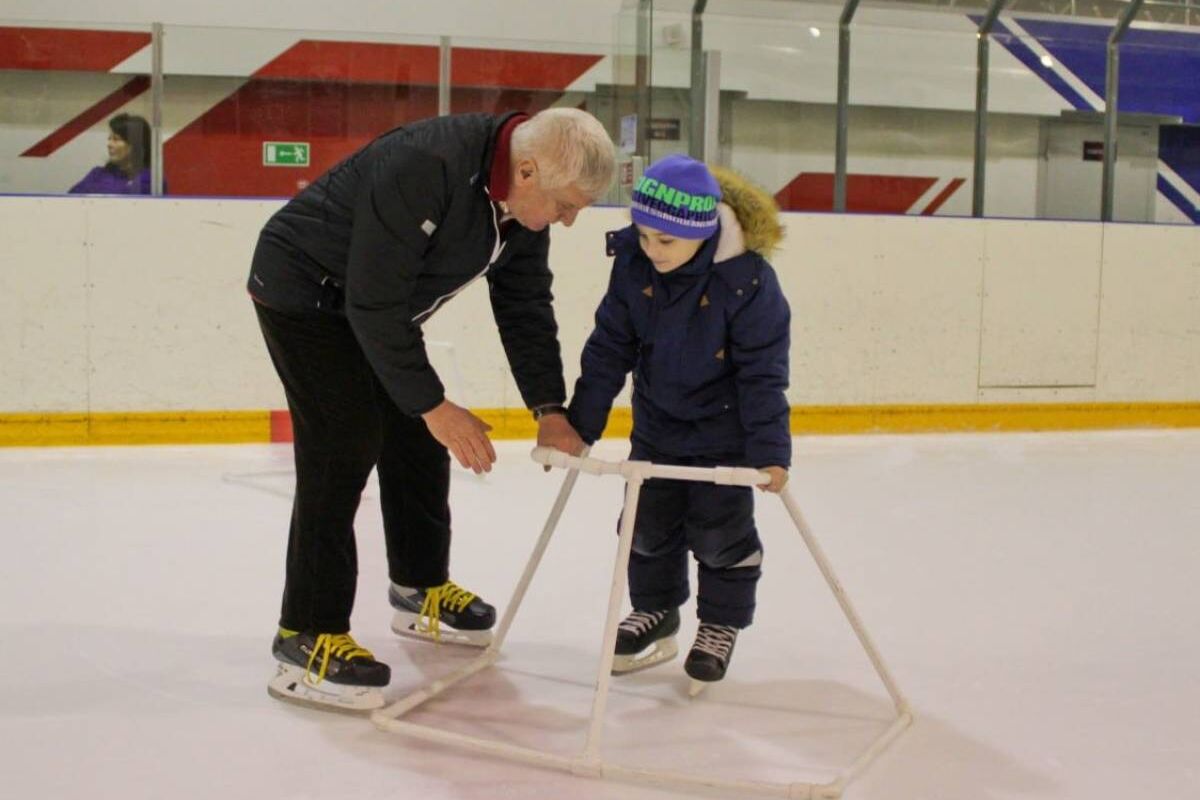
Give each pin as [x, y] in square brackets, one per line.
[709, 656]
[446, 613]
[329, 671]
[645, 638]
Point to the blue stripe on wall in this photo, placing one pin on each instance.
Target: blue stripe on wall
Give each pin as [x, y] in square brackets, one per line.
[1178, 200]
[1030, 59]
[1160, 70]
[1179, 148]
[1160, 74]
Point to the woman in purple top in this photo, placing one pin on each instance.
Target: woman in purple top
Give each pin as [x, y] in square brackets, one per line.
[128, 167]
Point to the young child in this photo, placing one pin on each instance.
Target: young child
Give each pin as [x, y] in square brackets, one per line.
[697, 314]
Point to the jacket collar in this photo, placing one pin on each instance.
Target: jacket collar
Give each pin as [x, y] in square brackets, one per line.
[492, 154]
[731, 241]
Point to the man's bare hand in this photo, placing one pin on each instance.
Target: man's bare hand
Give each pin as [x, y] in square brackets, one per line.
[555, 431]
[463, 434]
[779, 479]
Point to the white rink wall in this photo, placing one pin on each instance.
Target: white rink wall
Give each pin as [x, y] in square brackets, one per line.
[111, 304]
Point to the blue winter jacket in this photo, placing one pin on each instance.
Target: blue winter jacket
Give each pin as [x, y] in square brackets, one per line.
[708, 347]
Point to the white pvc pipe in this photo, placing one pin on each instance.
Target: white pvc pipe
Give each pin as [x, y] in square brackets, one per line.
[597, 769]
[736, 788]
[589, 763]
[898, 726]
[844, 601]
[726, 476]
[489, 746]
[492, 653]
[535, 559]
[616, 594]
[411, 701]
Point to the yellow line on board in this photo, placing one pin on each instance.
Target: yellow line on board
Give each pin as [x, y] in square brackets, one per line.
[511, 423]
[230, 427]
[165, 427]
[992, 417]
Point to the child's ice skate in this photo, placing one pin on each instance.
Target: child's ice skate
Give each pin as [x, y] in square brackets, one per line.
[328, 671]
[709, 656]
[446, 613]
[645, 638]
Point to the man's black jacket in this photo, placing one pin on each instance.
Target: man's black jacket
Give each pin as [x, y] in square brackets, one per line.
[397, 229]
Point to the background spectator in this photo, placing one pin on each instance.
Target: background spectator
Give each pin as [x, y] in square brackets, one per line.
[128, 167]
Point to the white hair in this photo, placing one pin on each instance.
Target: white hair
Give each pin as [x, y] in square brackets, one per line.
[571, 148]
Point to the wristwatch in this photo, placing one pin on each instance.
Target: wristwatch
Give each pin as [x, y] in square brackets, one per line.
[548, 408]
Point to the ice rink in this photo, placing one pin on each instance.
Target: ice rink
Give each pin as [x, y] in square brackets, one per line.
[1033, 594]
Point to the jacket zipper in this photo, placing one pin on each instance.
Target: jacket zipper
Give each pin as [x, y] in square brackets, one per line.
[497, 249]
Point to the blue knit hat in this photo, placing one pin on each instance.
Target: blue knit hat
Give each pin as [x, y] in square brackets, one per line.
[679, 196]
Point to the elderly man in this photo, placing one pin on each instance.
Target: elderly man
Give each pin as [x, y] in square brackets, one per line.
[342, 279]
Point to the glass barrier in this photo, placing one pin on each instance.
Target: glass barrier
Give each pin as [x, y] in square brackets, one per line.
[1160, 89]
[300, 102]
[496, 76]
[1167, 12]
[778, 99]
[1064, 62]
[289, 105]
[911, 126]
[777, 105]
[61, 89]
[257, 112]
[911, 117]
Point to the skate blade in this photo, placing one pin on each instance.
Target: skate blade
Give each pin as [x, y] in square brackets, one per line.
[290, 685]
[696, 687]
[663, 650]
[410, 625]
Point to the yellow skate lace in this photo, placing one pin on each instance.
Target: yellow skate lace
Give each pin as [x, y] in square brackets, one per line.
[329, 645]
[450, 595]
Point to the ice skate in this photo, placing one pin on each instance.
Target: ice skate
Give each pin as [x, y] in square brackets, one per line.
[644, 639]
[327, 671]
[709, 657]
[448, 614]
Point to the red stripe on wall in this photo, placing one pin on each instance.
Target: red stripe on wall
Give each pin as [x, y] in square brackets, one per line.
[220, 154]
[878, 194]
[67, 49]
[518, 69]
[355, 62]
[943, 196]
[88, 118]
[281, 426]
[417, 65]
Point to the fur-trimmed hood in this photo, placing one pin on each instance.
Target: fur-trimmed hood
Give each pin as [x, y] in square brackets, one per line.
[749, 217]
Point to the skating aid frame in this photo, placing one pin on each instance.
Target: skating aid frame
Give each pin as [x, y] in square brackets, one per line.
[589, 761]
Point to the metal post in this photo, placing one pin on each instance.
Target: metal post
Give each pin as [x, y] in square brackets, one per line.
[643, 65]
[1112, 79]
[981, 104]
[696, 124]
[712, 107]
[156, 103]
[444, 76]
[843, 101]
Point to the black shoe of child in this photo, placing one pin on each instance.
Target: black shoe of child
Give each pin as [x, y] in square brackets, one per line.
[710, 654]
[645, 638]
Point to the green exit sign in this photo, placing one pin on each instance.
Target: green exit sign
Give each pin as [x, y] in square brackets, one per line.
[285, 154]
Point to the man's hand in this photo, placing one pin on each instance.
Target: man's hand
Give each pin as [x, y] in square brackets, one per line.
[555, 431]
[779, 478]
[463, 434]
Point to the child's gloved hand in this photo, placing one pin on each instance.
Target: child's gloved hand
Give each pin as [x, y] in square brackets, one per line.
[779, 478]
